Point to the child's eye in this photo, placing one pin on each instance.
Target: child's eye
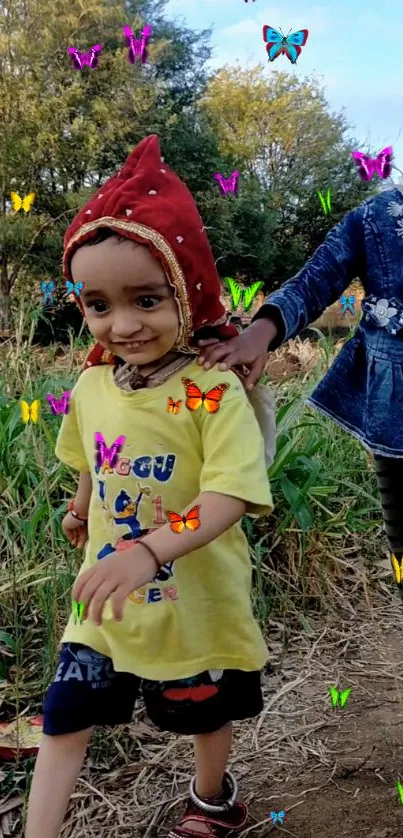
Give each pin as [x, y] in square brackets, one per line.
[148, 302]
[97, 305]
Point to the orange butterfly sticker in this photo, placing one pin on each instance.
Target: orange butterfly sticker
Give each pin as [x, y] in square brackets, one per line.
[191, 521]
[211, 399]
[174, 407]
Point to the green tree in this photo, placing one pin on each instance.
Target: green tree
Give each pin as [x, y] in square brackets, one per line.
[62, 131]
[278, 129]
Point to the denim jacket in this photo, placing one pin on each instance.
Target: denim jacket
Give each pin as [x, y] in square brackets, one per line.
[363, 389]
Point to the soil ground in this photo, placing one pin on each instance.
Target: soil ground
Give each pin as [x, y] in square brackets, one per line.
[333, 771]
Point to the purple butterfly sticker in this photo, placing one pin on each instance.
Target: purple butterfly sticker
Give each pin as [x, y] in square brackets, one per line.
[229, 184]
[137, 46]
[59, 405]
[381, 164]
[107, 457]
[80, 59]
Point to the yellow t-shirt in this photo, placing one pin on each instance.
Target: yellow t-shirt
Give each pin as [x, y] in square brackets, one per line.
[197, 613]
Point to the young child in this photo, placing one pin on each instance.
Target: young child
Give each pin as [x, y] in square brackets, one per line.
[170, 458]
[363, 389]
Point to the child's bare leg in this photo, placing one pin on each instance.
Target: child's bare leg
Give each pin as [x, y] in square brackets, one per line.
[211, 756]
[57, 767]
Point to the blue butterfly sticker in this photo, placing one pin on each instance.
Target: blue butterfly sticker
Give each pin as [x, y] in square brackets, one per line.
[279, 44]
[74, 287]
[47, 290]
[347, 303]
[277, 817]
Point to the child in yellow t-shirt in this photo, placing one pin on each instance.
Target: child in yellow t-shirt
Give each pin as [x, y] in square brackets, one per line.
[170, 458]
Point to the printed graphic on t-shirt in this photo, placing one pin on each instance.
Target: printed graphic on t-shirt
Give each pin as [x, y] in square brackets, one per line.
[123, 511]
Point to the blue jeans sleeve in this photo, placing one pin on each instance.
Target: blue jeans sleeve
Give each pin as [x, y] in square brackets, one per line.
[322, 280]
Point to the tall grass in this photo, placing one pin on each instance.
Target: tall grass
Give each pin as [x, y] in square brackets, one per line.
[324, 491]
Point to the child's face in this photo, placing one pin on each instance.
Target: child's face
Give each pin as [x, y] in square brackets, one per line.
[128, 304]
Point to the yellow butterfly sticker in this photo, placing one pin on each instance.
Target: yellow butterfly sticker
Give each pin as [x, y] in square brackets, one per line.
[25, 203]
[397, 568]
[29, 412]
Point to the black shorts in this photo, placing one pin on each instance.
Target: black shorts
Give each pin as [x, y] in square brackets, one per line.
[87, 691]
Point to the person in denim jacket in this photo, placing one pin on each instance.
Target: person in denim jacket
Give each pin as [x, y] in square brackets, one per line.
[363, 389]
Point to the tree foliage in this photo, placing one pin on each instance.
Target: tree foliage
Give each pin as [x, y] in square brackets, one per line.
[63, 132]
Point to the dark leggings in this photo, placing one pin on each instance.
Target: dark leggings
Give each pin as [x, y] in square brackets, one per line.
[389, 472]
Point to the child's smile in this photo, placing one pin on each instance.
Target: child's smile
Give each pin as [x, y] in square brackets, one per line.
[128, 304]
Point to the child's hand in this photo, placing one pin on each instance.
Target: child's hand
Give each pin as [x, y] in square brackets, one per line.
[248, 348]
[115, 577]
[76, 531]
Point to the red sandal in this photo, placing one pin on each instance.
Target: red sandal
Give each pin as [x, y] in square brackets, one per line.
[221, 819]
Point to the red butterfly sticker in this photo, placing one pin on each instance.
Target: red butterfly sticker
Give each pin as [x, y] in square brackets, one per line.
[191, 521]
[195, 398]
[174, 407]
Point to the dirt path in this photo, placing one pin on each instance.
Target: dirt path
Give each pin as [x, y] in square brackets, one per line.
[333, 771]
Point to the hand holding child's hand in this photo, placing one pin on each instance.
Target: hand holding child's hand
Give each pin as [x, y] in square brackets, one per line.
[76, 531]
[115, 577]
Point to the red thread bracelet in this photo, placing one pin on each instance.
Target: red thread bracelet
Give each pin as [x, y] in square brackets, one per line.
[72, 510]
[151, 551]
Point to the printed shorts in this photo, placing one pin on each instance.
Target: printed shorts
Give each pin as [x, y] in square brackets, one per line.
[87, 691]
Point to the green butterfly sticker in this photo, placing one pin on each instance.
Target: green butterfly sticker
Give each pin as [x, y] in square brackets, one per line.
[78, 610]
[339, 698]
[325, 202]
[400, 790]
[247, 295]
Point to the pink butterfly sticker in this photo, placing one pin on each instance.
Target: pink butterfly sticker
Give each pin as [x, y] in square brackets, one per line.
[381, 164]
[81, 59]
[229, 184]
[137, 46]
[59, 405]
[105, 457]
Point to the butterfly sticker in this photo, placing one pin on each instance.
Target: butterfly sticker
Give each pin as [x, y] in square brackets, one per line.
[229, 184]
[325, 202]
[339, 698]
[47, 290]
[74, 287]
[78, 611]
[289, 45]
[195, 398]
[106, 458]
[367, 166]
[246, 294]
[22, 203]
[30, 411]
[347, 303]
[59, 405]
[191, 521]
[174, 407]
[137, 46]
[82, 59]
[397, 568]
[277, 817]
[400, 790]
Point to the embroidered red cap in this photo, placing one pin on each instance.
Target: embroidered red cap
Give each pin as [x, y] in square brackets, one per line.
[148, 203]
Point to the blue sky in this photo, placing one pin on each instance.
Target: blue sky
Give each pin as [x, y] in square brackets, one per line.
[354, 47]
